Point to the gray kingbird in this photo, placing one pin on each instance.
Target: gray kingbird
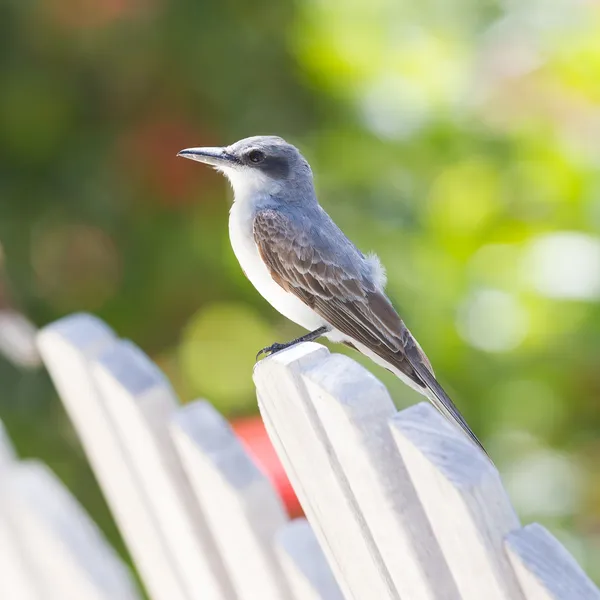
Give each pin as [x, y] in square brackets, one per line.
[305, 267]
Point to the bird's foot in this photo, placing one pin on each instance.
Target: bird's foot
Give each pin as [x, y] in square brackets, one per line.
[311, 336]
[272, 349]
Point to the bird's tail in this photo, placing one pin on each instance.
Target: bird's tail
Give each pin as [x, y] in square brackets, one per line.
[437, 395]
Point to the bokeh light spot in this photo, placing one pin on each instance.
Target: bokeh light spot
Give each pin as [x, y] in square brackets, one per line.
[564, 265]
[493, 321]
[218, 350]
[545, 483]
[394, 108]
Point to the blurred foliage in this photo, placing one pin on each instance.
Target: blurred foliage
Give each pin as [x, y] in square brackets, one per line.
[457, 139]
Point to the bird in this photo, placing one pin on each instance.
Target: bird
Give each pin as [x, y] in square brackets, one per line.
[302, 263]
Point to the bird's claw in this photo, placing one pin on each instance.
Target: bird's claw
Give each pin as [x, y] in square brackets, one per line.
[269, 350]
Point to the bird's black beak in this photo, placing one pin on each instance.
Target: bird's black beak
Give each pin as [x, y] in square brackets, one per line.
[218, 157]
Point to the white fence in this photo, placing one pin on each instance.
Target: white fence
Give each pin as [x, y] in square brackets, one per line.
[49, 548]
[200, 520]
[403, 506]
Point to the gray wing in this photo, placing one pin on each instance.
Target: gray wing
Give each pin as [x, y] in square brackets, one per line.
[328, 274]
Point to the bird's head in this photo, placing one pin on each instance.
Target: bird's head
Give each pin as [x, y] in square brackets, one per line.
[262, 164]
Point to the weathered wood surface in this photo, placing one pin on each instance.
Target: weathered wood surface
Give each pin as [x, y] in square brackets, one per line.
[347, 410]
[304, 563]
[242, 508]
[403, 504]
[197, 515]
[141, 402]
[316, 474]
[49, 548]
[464, 499]
[545, 569]
[68, 348]
[17, 578]
[66, 547]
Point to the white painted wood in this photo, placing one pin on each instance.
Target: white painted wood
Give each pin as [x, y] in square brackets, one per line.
[17, 339]
[67, 348]
[353, 408]
[18, 581]
[71, 557]
[546, 571]
[305, 564]
[316, 474]
[141, 404]
[242, 508]
[404, 507]
[464, 499]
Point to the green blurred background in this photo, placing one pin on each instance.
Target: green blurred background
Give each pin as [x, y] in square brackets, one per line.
[457, 139]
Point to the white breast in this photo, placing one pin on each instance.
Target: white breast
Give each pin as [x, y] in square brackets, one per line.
[244, 247]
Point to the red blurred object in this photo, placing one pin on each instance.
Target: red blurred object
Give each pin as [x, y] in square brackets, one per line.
[149, 151]
[254, 436]
[88, 14]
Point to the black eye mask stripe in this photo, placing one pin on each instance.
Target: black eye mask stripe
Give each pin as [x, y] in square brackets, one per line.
[277, 167]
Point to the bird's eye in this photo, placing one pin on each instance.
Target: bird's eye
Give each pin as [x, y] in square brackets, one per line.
[256, 156]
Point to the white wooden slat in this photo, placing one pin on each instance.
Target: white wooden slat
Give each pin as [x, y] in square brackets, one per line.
[17, 339]
[354, 409]
[141, 403]
[240, 504]
[18, 580]
[463, 497]
[305, 564]
[545, 569]
[67, 348]
[316, 474]
[71, 557]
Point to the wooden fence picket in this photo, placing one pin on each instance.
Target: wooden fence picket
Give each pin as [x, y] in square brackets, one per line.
[353, 408]
[141, 403]
[463, 497]
[316, 474]
[49, 548]
[304, 563]
[70, 556]
[241, 506]
[68, 348]
[17, 578]
[545, 569]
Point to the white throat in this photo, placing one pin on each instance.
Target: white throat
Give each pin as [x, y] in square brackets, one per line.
[248, 183]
